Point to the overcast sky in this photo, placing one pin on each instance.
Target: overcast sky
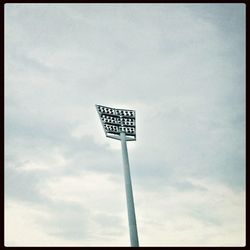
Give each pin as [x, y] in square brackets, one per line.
[181, 67]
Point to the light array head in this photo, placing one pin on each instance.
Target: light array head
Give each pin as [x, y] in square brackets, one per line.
[115, 121]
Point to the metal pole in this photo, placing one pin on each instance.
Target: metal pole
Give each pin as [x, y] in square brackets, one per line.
[129, 194]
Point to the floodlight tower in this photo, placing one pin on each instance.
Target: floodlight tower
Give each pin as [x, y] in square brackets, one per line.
[119, 124]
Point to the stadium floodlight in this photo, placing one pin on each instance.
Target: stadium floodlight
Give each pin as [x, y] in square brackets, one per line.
[119, 124]
[115, 121]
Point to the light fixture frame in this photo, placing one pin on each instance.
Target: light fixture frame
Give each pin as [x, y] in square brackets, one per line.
[115, 117]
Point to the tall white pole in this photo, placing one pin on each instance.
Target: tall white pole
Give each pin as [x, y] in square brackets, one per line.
[129, 194]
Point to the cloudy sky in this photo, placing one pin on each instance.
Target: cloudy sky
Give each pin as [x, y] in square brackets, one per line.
[181, 67]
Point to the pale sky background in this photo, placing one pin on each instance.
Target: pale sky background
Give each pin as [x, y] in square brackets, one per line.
[181, 67]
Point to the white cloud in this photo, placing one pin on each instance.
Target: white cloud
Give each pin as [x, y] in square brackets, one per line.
[213, 212]
[90, 189]
[215, 215]
[21, 228]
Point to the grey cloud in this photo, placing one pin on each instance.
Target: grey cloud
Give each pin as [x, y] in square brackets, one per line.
[111, 224]
[23, 186]
[67, 219]
[205, 215]
[227, 17]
